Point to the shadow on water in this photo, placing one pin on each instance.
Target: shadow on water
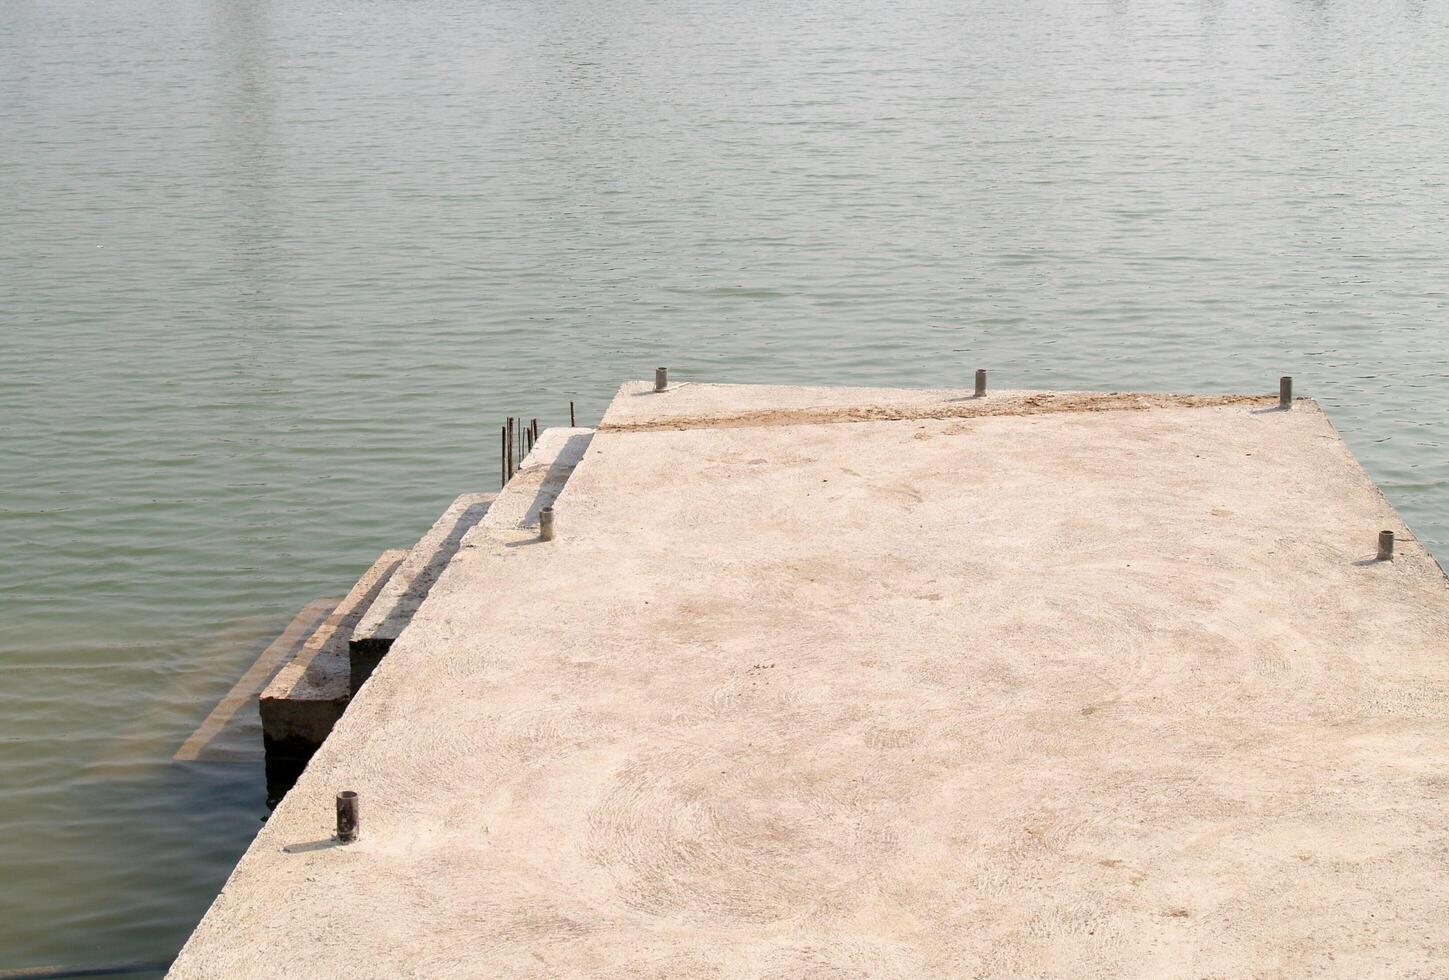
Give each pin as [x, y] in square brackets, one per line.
[281, 776]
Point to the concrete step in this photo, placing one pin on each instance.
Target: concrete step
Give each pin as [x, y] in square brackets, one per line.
[308, 695]
[539, 479]
[229, 733]
[406, 589]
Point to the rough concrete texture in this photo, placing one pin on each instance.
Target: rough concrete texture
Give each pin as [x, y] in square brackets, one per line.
[308, 695]
[540, 477]
[638, 407]
[409, 584]
[1071, 694]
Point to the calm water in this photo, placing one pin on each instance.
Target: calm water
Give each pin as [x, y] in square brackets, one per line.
[272, 272]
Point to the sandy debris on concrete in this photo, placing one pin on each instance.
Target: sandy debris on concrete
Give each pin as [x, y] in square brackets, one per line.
[672, 414]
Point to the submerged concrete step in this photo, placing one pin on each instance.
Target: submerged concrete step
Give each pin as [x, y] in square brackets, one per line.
[406, 589]
[308, 695]
[228, 734]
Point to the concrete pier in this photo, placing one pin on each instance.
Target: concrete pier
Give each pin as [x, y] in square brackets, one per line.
[862, 682]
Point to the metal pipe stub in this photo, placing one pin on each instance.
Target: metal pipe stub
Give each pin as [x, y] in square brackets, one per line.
[348, 816]
[545, 524]
[1386, 546]
[661, 379]
[980, 383]
[1285, 393]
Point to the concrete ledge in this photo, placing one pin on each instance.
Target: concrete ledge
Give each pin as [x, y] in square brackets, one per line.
[308, 695]
[540, 478]
[408, 586]
[638, 407]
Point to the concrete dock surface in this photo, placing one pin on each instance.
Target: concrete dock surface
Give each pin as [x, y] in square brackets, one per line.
[844, 682]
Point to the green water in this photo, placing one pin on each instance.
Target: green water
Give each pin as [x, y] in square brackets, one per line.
[272, 273]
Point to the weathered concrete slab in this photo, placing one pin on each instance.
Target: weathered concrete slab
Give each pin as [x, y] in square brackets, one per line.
[637, 403]
[307, 696]
[540, 478]
[638, 407]
[408, 585]
[1089, 693]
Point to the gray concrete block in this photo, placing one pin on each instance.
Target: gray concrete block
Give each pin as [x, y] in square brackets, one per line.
[308, 695]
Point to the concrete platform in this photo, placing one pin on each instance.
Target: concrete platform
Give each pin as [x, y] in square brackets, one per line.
[406, 588]
[307, 696]
[1101, 686]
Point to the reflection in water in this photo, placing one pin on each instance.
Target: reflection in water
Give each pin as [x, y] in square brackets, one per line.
[250, 226]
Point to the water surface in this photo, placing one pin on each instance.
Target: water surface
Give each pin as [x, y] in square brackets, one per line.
[272, 273]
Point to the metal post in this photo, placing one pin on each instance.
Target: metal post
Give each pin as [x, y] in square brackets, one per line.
[503, 455]
[348, 821]
[510, 447]
[1285, 393]
[572, 423]
[661, 379]
[980, 383]
[545, 524]
[1386, 546]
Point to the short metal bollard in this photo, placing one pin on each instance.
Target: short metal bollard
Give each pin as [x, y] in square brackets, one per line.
[348, 818]
[1386, 546]
[545, 524]
[1285, 392]
[661, 379]
[980, 383]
